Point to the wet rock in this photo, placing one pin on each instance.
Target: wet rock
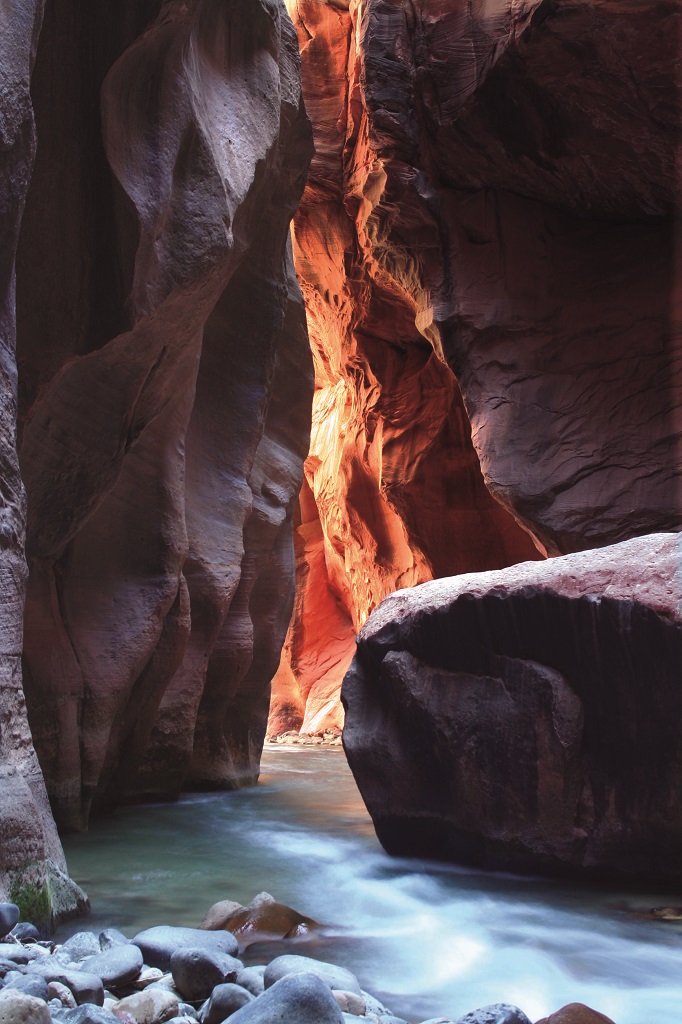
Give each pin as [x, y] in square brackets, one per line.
[31, 985]
[196, 972]
[334, 977]
[153, 1006]
[159, 943]
[524, 719]
[496, 1013]
[187, 1010]
[77, 947]
[24, 931]
[304, 998]
[263, 918]
[87, 988]
[148, 976]
[55, 990]
[576, 1013]
[112, 937]
[251, 978]
[224, 1001]
[216, 916]
[350, 1002]
[15, 953]
[86, 1014]
[9, 915]
[117, 965]
[18, 1008]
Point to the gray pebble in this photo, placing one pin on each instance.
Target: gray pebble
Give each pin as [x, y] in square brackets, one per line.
[251, 978]
[496, 1013]
[225, 1000]
[77, 947]
[158, 944]
[112, 937]
[117, 965]
[196, 972]
[330, 974]
[86, 1014]
[25, 931]
[30, 985]
[302, 998]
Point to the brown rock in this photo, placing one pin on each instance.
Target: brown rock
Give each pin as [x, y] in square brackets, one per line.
[263, 918]
[32, 866]
[528, 719]
[216, 916]
[576, 1013]
[165, 392]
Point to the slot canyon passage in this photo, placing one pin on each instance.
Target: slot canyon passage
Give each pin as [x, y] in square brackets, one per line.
[340, 393]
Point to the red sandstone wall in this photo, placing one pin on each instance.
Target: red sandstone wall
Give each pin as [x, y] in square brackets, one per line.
[392, 469]
[165, 386]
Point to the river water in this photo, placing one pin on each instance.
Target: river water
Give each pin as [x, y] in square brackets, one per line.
[430, 940]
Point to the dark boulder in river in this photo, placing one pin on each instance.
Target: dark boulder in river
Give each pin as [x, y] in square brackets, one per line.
[528, 719]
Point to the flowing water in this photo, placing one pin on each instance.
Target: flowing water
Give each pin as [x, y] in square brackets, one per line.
[430, 940]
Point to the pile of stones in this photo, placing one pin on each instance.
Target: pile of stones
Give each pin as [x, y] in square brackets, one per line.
[169, 975]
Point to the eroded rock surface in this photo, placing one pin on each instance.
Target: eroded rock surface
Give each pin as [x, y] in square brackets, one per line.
[32, 866]
[394, 475]
[491, 197]
[165, 391]
[528, 719]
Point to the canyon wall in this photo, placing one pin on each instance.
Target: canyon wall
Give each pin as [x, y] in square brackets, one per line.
[165, 382]
[516, 161]
[396, 481]
[486, 250]
[32, 867]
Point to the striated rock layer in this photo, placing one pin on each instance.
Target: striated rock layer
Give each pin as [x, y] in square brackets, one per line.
[32, 867]
[165, 391]
[528, 719]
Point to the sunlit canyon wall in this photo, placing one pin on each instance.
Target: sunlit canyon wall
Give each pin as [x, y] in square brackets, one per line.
[394, 493]
[161, 407]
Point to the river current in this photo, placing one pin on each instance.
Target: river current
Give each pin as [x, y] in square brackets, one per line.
[430, 940]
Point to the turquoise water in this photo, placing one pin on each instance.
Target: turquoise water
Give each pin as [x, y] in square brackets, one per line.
[431, 940]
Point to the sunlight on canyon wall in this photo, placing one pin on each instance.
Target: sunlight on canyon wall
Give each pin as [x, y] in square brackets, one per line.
[394, 495]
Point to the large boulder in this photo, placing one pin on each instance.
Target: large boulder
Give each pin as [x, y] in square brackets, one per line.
[528, 719]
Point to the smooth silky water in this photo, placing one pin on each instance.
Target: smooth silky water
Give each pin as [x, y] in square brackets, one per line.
[430, 940]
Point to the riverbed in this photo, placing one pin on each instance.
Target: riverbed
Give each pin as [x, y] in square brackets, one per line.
[429, 939]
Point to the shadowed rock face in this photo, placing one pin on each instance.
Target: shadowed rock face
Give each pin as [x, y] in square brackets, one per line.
[32, 866]
[165, 391]
[528, 719]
